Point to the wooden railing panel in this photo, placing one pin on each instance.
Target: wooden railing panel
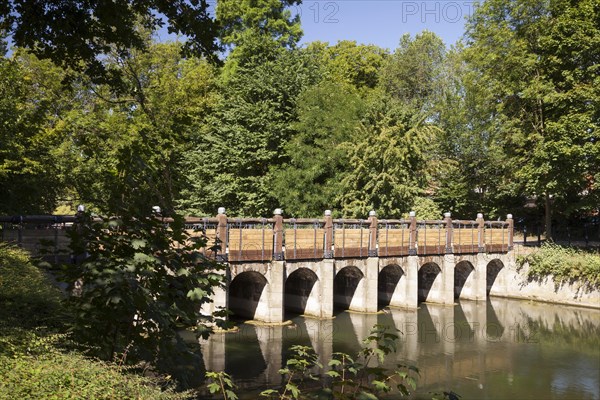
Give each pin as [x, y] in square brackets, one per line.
[496, 239]
[250, 244]
[431, 240]
[351, 242]
[394, 242]
[465, 240]
[304, 243]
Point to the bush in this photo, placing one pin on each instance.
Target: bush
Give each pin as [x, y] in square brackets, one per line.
[33, 363]
[62, 376]
[565, 264]
[27, 297]
[140, 283]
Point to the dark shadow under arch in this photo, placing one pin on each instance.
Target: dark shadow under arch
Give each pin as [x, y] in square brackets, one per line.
[298, 286]
[244, 293]
[387, 282]
[492, 270]
[344, 285]
[428, 273]
[462, 271]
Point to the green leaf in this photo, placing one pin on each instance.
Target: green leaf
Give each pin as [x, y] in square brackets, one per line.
[196, 294]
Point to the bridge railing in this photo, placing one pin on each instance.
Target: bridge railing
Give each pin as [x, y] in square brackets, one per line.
[498, 236]
[395, 238]
[431, 237]
[266, 239]
[304, 239]
[41, 235]
[250, 239]
[351, 238]
[467, 236]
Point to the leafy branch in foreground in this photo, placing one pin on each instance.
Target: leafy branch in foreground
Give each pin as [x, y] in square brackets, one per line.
[363, 378]
[297, 369]
[140, 282]
[221, 382]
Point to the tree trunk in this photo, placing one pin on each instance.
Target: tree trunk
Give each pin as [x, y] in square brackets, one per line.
[548, 217]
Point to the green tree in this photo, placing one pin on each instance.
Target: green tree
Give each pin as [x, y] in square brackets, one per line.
[125, 149]
[329, 115]
[350, 63]
[31, 101]
[467, 168]
[411, 74]
[78, 34]
[539, 60]
[252, 122]
[387, 164]
[140, 282]
[246, 137]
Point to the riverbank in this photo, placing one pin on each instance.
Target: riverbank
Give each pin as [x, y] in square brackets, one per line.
[38, 358]
[552, 274]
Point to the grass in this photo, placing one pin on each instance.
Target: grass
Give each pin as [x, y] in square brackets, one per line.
[565, 264]
[37, 358]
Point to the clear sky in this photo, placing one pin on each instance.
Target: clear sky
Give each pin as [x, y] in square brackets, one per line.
[381, 22]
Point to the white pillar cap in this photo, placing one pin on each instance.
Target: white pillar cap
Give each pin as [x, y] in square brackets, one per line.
[479, 215]
[447, 215]
[509, 216]
[221, 210]
[372, 213]
[412, 214]
[156, 209]
[80, 208]
[327, 213]
[278, 211]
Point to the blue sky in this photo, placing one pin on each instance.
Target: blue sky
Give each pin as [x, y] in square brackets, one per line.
[381, 22]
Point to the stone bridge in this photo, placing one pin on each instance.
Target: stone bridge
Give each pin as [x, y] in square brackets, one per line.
[316, 266]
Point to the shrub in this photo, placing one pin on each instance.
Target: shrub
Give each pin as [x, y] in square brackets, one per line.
[64, 376]
[140, 282]
[33, 363]
[27, 297]
[565, 264]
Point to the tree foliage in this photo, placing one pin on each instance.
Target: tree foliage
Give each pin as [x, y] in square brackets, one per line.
[77, 34]
[140, 282]
[31, 103]
[125, 149]
[539, 62]
[387, 164]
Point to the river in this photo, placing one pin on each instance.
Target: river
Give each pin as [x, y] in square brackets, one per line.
[499, 349]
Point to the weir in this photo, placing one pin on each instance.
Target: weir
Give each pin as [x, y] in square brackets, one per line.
[316, 266]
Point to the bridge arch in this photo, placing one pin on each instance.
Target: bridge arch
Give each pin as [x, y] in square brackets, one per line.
[493, 269]
[298, 287]
[464, 273]
[430, 282]
[345, 284]
[245, 291]
[387, 283]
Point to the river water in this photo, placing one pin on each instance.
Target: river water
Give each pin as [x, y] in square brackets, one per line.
[499, 349]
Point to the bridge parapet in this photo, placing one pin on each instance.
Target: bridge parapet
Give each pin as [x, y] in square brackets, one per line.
[278, 238]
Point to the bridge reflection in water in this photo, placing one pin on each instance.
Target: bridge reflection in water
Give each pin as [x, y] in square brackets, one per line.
[496, 349]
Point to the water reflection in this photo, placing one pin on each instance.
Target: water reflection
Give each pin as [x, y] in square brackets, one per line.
[495, 350]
